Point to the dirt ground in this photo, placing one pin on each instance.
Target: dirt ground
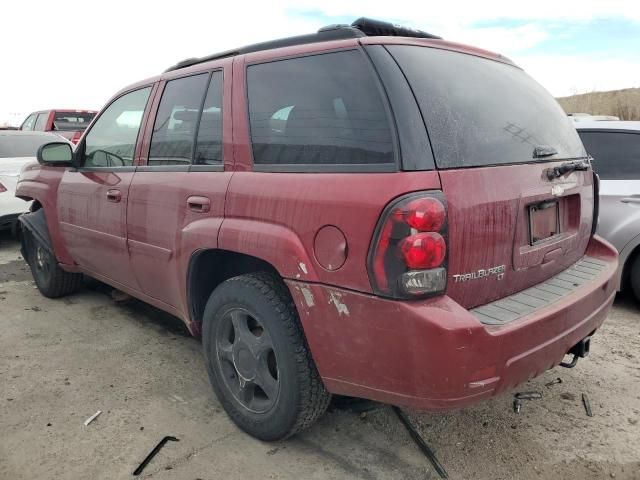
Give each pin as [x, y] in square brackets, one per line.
[63, 360]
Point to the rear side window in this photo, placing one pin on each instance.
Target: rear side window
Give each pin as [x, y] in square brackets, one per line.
[483, 112]
[186, 128]
[41, 122]
[318, 110]
[616, 155]
[72, 121]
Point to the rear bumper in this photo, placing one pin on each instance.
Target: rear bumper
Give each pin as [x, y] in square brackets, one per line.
[434, 354]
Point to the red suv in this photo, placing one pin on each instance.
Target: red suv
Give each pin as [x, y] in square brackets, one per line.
[67, 123]
[367, 211]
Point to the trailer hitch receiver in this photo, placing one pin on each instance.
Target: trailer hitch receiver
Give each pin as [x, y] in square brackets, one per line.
[579, 350]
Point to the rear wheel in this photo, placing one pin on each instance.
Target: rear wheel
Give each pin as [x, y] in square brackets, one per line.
[51, 280]
[257, 358]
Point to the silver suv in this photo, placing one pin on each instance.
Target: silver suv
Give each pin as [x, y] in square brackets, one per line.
[615, 147]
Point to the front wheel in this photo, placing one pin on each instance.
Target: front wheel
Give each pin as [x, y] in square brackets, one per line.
[257, 359]
[51, 280]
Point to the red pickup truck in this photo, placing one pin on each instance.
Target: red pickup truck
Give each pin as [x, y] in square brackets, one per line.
[67, 123]
[368, 211]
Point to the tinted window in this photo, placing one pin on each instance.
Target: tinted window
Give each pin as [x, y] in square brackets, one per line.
[41, 122]
[483, 112]
[28, 123]
[111, 142]
[616, 155]
[322, 109]
[209, 144]
[72, 120]
[175, 126]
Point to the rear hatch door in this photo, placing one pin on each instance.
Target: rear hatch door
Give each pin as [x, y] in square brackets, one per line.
[496, 136]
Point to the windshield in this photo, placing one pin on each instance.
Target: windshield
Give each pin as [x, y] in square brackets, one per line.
[23, 144]
[66, 121]
[483, 112]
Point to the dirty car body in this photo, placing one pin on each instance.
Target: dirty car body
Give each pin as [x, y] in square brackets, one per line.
[430, 259]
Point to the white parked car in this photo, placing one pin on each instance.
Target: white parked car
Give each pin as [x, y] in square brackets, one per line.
[17, 149]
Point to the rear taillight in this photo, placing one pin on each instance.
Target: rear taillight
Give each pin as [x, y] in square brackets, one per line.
[2, 188]
[409, 250]
[423, 250]
[76, 137]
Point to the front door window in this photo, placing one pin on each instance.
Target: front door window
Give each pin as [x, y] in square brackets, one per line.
[111, 142]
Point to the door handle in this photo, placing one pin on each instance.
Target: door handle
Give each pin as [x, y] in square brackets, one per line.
[633, 199]
[114, 195]
[199, 204]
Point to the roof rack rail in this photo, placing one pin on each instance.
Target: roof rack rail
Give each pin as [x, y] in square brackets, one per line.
[362, 27]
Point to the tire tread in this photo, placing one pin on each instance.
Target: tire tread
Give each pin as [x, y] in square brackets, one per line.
[314, 398]
[61, 283]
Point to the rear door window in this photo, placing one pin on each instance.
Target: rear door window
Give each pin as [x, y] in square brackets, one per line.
[616, 155]
[483, 112]
[320, 110]
[41, 122]
[174, 130]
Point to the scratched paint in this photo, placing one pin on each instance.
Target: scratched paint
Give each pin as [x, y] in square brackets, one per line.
[308, 296]
[336, 299]
[303, 267]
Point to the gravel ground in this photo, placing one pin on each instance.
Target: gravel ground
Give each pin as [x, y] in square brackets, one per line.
[63, 360]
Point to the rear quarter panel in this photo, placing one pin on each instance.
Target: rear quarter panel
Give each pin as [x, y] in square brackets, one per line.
[276, 217]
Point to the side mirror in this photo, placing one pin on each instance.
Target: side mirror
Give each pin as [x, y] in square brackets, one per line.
[55, 154]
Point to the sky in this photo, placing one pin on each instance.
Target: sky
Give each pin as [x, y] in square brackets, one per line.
[77, 54]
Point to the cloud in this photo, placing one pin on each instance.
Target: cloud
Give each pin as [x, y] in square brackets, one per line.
[79, 53]
[500, 39]
[469, 12]
[568, 75]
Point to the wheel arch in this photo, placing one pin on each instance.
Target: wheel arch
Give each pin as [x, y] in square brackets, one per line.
[34, 224]
[41, 188]
[209, 267]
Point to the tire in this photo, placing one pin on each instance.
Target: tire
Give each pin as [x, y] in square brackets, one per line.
[257, 359]
[634, 277]
[51, 280]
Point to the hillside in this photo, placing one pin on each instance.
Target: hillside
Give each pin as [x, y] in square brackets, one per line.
[621, 103]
